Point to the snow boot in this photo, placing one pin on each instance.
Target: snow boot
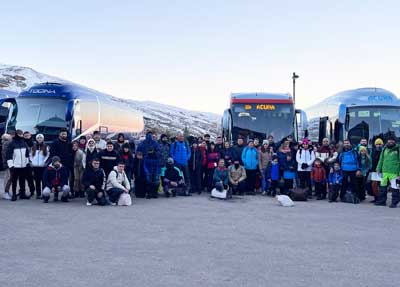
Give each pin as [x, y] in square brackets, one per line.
[382, 196]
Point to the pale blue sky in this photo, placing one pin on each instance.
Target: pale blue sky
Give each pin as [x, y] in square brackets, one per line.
[194, 53]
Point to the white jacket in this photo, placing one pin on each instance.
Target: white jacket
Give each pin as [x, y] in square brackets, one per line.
[305, 156]
[117, 180]
[39, 160]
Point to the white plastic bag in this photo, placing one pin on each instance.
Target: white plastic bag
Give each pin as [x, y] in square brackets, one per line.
[284, 200]
[219, 194]
[125, 199]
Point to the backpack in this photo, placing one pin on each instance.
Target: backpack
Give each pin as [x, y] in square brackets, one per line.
[309, 150]
[299, 194]
[350, 197]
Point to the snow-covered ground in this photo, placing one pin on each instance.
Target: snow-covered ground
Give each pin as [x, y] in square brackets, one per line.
[159, 117]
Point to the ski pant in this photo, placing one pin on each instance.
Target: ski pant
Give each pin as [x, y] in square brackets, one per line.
[186, 175]
[38, 176]
[114, 194]
[64, 190]
[348, 176]
[251, 179]
[320, 189]
[195, 180]
[97, 194]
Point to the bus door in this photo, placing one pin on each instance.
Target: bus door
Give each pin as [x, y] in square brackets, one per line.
[7, 109]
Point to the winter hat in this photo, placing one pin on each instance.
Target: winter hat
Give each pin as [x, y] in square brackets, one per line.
[163, 136]
[392, 137]
[378, 141]
[250, 141]
[306, 141]
[54, 159]
[39, 136]
[362, 148]
[170, 160]
[6, 137]
[265, 142]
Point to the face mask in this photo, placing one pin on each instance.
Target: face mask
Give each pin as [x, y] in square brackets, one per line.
[237, 165]
[378, 148]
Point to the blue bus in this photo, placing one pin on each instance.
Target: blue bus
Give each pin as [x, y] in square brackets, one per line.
[258, 115]
[48, 107]
[354, 114]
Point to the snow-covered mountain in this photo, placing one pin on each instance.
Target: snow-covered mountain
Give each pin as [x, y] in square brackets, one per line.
[159, 117]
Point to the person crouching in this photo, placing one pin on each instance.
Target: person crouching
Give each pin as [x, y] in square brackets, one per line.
[172, 180]
[117, 183]
[220, 178]
[94, 181]
[55, 180]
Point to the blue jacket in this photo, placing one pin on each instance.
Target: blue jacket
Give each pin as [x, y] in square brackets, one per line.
[250, 158]
[149, 145]
[55, 177]
[349, 160]
[335, 176]
[180, 152]
[272, 171]
[152, 169]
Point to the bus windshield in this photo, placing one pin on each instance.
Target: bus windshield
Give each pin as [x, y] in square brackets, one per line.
[39, 115]
[263, 119]
[372, 121]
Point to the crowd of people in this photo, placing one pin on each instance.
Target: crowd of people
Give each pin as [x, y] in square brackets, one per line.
[101, 171]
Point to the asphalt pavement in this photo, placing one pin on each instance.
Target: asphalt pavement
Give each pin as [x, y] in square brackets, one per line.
[198, 241]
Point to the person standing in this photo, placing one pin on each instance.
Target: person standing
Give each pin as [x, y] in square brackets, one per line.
[212, 160]
[238, 150]
[375, 155]
[91, 151]
[100, 143]
[389, 166]
[79, 166]
[5, 141]
[108, 158]
[180, 152]
[164, 149]
[305, 158]
[38, 156]
[250, 162]
[195, 167]
[264, 157]
[17, 156]
[348, 160]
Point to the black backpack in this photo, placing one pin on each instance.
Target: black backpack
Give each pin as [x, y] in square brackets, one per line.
[350, 197]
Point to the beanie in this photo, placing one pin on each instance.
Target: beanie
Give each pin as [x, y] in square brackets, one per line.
[378, 141]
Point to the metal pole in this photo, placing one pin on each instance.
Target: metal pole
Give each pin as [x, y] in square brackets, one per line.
[294, 77]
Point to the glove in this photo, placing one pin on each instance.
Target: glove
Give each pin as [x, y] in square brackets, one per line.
[304, 166]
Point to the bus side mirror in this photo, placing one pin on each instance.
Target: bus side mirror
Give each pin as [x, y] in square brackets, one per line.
[69, 111]
[342, 113]
[303, 120]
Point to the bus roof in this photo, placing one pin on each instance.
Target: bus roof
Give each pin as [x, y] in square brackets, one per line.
[261, 98]
[356, 97]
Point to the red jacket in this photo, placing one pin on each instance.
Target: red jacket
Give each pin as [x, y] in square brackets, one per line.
[204, 154]
[318, 174]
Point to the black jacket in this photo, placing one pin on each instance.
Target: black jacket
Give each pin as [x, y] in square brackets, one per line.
[90, 156]
[17, 153]
[108, 160]
[94, 177]
[62, 149]
[195, 160]
[138, 169]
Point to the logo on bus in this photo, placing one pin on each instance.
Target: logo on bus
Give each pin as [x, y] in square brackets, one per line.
[266, 107]
[247, 107]
[379, 99]
[42, 91]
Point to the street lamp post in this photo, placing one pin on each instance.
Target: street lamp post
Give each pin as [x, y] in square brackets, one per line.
[294, 77]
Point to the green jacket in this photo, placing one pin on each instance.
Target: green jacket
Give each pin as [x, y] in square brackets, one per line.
[389, 161]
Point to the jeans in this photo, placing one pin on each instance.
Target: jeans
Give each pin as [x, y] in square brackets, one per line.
[348, 175]
[97, 194]
[114, 194]
[64, 190]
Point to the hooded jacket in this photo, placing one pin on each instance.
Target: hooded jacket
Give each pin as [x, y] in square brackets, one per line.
[389, 161]
[17, 154]
[62, 149]
[171, 173]
[250, 158]
[180, 152]
[348, 160]
[149, 145]
[108, 159]
[117, 179]
[53, 177]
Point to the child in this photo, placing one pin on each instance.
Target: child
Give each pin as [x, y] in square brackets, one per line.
[272, 175]
[289, 173]
[335, 182]
[318, 176]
